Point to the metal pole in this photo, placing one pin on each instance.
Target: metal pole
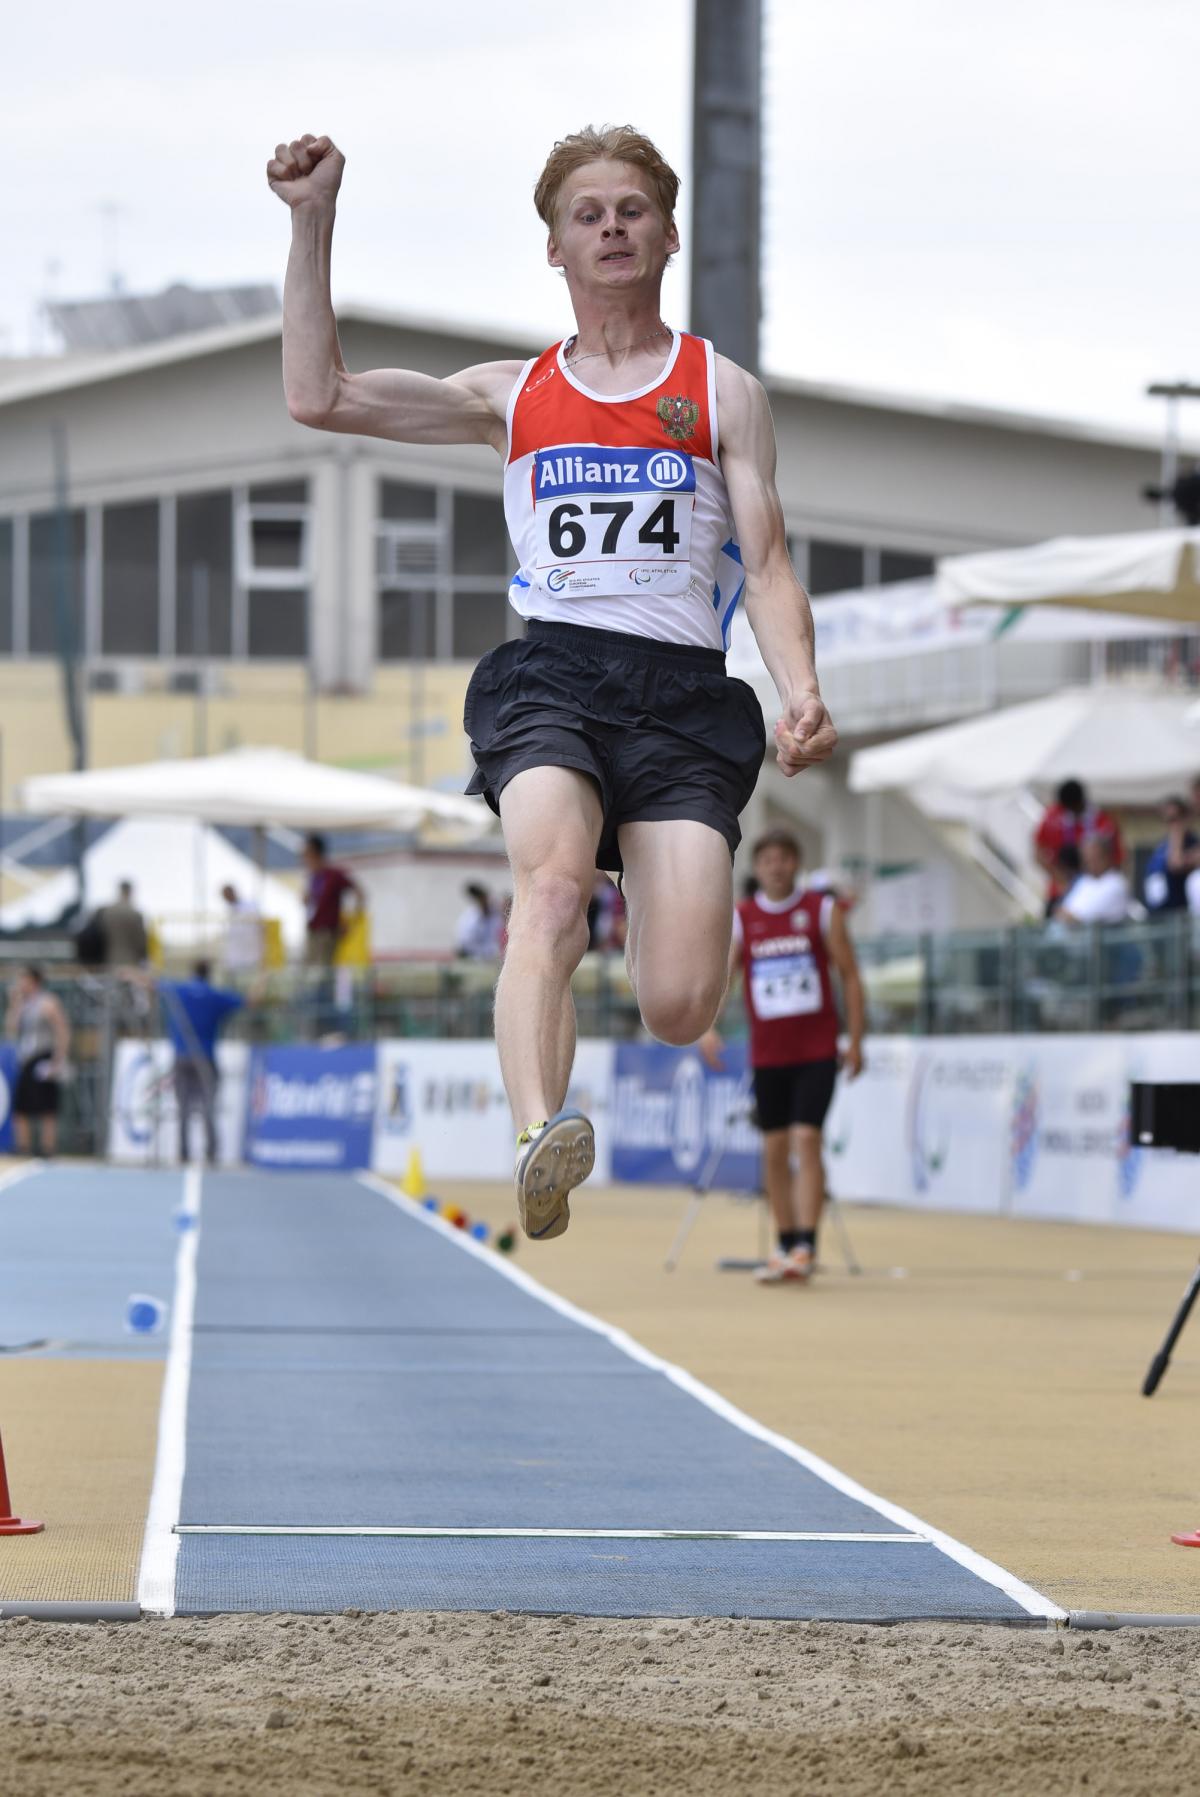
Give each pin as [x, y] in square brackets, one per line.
[201, 597]
[726, 303]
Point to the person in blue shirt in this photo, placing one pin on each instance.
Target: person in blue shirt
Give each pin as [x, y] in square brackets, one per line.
[193, 1011]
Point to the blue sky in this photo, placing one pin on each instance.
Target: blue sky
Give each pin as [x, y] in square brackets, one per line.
[983, 203]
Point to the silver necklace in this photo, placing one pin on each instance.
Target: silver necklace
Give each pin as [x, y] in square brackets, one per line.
[663, 330]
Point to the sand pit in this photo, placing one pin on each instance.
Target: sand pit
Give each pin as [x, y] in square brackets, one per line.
[505, 1704]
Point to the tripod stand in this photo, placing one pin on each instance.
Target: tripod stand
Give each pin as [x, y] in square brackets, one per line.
[1167, 1116]
[741, 1111]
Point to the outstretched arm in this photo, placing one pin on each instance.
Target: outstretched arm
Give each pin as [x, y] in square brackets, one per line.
[776, 604]
[400, 404]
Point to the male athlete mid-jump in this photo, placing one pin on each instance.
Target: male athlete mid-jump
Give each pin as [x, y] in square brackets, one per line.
[639, 492]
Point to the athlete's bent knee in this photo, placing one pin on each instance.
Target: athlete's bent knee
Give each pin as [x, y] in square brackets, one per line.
[681, 1017]
[551, 909]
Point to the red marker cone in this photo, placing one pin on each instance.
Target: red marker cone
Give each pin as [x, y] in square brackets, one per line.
[10, 1524]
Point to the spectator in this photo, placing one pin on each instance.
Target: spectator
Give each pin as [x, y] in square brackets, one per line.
[479, 932]
[243, 951]
[1067, 868]
[1101, 893]
[122, 930]
[39, 1025]
[194, 1011]
[1165, 885]
[605, 916]
[1071, 820]
[324, 896]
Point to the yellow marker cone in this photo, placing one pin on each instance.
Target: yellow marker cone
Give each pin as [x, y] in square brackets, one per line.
[414, 1180]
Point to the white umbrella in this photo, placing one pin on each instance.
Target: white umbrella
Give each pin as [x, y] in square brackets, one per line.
[1153, 573]
[266, 787]
[1127, 747]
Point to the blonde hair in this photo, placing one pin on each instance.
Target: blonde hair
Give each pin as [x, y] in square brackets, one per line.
[612, 143]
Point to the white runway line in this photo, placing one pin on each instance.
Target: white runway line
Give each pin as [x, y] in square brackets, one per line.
[1031, 1601]
[16, 1175]
[406, 1533]
[160, 1545]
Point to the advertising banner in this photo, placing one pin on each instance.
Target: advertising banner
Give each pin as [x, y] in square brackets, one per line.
[447, 1100]
[677, 1122]
[8, 1079]
[311, 1108]
[143, 1125]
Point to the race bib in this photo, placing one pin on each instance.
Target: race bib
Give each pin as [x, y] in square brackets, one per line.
[611, 519]
[785, 986]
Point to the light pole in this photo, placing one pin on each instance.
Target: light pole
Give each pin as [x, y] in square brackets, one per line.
[1172, 392]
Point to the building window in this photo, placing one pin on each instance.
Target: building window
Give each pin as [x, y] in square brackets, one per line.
[834, 567]
[480, 536]
[899, 564]
[55, 563]
[480, 622]
[406, 625]
[129, 600]
[273, 536]
[204, 574]
[7, 594]
[277, 623]
[400, 502]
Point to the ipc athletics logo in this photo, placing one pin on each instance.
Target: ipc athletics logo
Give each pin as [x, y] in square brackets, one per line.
[557, 578]
[667, 469]
[927, 1146]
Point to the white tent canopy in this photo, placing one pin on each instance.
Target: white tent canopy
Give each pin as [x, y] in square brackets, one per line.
[1127, 747]
[268, 787]
[177, 867]
[1152, 573]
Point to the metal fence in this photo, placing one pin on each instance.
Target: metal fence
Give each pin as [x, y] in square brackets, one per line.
[1023, 980]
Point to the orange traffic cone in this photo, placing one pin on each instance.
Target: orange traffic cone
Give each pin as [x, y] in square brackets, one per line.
[10, 1524]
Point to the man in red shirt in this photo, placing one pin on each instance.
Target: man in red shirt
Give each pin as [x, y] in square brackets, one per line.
[326, 889]
[1070, 822]
[786, 942]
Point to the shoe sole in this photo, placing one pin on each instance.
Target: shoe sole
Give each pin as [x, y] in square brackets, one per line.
[561, 1159]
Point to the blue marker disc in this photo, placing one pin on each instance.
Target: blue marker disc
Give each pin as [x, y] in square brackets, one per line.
[144, 1315]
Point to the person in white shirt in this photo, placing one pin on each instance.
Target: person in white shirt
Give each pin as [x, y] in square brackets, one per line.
[243, 949]
[1101, 893]
[479, 933]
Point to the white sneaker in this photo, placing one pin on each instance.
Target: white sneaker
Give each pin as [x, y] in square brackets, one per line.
[783, 1269]
[552, 1159]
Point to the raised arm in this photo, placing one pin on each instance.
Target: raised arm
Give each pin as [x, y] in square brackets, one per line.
[776, 604]
[397, 403]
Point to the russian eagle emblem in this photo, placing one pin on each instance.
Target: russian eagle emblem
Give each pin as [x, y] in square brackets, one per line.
[678, 415]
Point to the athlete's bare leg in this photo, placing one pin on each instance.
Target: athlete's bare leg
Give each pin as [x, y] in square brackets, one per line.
[808, 1178]
[23, 1135]
[679, 894]
[552, 819]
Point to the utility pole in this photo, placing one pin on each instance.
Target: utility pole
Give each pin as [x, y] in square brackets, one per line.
[1172, 392]
[727, 176]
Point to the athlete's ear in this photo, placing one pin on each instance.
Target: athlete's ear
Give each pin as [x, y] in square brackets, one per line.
[553, 253]
[672, 238]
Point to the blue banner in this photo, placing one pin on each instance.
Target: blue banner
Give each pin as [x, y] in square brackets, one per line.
[311, 1107]
[676, 1121]
[8, 1079]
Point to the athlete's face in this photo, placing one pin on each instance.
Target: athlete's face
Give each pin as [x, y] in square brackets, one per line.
[775, 869]
[610, 233]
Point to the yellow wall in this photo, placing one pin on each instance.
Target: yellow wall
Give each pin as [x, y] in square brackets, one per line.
[409, 725]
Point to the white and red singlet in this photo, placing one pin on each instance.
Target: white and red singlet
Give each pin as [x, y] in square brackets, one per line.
[616, 503]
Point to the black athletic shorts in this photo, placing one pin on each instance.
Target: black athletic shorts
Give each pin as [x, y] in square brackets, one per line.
[660, 727]
[801, 1093]
[33, 1095]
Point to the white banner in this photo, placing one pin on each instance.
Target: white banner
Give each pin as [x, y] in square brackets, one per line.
[1036, 1125]
[446, 1099]
[144, 1117]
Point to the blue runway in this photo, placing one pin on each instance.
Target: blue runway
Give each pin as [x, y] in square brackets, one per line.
[366, 1388]
[362, 1408]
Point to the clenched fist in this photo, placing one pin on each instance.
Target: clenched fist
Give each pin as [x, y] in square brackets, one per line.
[308, 169]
